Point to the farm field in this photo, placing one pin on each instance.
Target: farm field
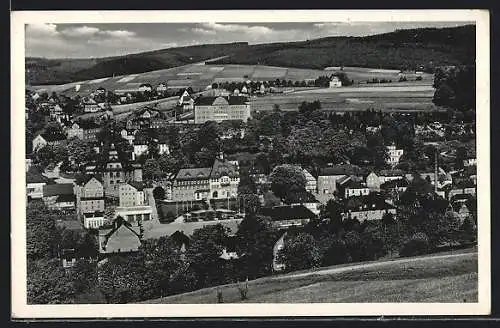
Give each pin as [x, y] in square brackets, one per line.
[385, 98]
[199, 76]
[445, 277]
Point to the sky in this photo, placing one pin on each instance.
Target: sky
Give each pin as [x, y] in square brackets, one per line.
[100, 40]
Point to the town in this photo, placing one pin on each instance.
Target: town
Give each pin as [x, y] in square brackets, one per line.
[152, 190]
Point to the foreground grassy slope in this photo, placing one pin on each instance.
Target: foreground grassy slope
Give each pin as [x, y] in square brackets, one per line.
[437, 278]
[411, 49]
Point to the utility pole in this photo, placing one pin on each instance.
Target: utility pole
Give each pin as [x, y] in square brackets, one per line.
[436, 170]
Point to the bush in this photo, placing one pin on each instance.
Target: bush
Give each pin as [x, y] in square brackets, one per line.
[417, 245]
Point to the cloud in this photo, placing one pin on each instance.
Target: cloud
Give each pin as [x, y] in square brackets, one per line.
[118, 33]
[41, 29]
[202, 31]
[237, 28]
[80, 31]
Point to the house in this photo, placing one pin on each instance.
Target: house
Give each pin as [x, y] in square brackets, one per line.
[394, 155]
[311, 183]
[56, 112]
[146, 117]
[186, 101]
[163, 148]
[304, 198]
[354, 188]
[335, 82]
[388, 175]
[399, 185]
[328, 176]
[286, 216]
[470, 161]
[128, 135]
[367, 208]
[122, 238]
[90, 106]
[161, 88]
[373, 181]
[221, 108]
[94, 220]
[35, 182]
[90, 196]
[133, 205]
[132, 194]
[466, 187]
[84, 130]
[43, 140]
[59, 196]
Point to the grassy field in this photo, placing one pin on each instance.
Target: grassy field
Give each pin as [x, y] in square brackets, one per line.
[444, 277]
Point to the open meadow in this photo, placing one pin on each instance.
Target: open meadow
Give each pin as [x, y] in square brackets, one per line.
[444, 277]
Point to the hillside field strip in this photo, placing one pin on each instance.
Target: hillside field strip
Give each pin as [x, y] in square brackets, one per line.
[199, 76]
[446, 277]
[408, 97]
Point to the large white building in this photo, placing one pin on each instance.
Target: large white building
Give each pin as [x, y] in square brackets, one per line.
[221, 109]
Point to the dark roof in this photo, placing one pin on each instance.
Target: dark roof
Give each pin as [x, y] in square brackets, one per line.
[58, 189]
[465, 184]
[394, 183]
[137, 185]
[222, 168]
[367, 203]
[54, 137]
[458, 197]
[65, 198]
[300, 197]
[345, 169]
[391, 173]
[351, 184]
[88, 124]
[287, 212]
[232, 100]
[193, 174]
[91, 198]
[89, 177]
[93, 215]
[34, 176]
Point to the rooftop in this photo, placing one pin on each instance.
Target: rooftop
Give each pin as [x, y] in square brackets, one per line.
[287, 212]
[226, 100]
[344, 169]
[58, 189]
[193, 174]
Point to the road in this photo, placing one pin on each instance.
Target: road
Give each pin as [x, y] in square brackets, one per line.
[371, 265]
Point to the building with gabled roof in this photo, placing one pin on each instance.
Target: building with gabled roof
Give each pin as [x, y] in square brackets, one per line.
[285, 216]
[59, 196]
[122, 238]
[371, 207]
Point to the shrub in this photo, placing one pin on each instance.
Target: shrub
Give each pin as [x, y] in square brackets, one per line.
[417, 245]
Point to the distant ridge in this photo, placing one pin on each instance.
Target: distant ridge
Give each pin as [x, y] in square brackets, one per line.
[423, 48]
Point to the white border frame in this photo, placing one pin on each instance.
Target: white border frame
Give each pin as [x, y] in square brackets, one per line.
[20, 309]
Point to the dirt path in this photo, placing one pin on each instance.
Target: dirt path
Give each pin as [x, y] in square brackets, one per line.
[372, 265]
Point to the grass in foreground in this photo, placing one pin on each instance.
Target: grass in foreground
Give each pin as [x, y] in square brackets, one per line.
[440, 279]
